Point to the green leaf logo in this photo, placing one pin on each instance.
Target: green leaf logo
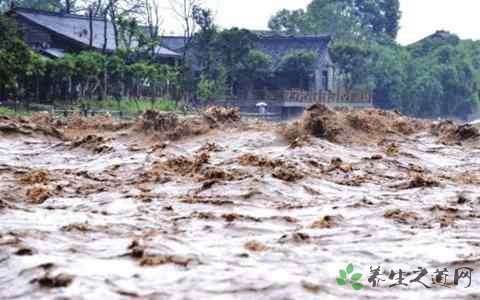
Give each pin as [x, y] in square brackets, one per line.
[343, 279]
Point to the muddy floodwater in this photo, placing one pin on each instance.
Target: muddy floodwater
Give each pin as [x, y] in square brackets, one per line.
[239, 210]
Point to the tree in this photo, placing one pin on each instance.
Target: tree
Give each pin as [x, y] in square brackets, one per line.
[291, 22]
[185, 10]
[32, 78]
[49, 5]
[298, 65]
[14, 57]
[389, 75]
[88, 69]
[373, 20]
[232, 46]
[257, 66]
[206, 55]
[379, 17]
[353, 61]
[153, 25]
[254, 70]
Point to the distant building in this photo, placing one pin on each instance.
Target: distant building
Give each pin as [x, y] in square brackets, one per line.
[55, 34]
[277, 45]
[439, 36]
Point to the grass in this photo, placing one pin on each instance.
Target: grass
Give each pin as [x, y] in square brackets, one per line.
[128, 105]
[5, 111]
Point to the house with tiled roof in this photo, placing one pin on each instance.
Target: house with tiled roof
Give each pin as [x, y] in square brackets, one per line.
[54, 34]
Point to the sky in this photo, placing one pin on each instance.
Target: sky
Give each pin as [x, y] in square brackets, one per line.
[419, 17]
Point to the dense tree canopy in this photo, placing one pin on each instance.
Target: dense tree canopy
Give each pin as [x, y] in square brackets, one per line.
[14, 56]
[344, 19]
[50, 5]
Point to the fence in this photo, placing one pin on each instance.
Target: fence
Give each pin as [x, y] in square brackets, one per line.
[301, 97]
[265, 116]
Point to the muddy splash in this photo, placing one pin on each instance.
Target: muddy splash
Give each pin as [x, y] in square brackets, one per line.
[210, 207]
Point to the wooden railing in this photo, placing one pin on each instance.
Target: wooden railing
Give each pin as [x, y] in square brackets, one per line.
[302, 96]
[326, 97]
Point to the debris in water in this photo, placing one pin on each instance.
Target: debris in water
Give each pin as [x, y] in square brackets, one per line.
[401, 216]
[325, 222]
[38, 194]
[58, 281]
[25, 251]
[420, 181]
[255, 246]
[158, 121]
[157, 260]
[392, 150]
[287, 173]
[451, 133]
[97, 144]
[35, 177]
[220, 115]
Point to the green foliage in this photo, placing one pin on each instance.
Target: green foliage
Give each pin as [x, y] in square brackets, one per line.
[429, 44]
[128, 106]
[298, 62]
[88, 65]
[354, 61]
[14, 54]
[389, 75]
[291, 22]
[296, 68]
[208, 89]
[255, 66]
[226, 58]
[427, 79]
[50, 5]
[233, 46]
[5, 111]
[444, 82]
[30, 76]
[346, 20]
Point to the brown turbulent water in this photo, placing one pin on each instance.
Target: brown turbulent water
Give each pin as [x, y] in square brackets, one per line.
[236, 212]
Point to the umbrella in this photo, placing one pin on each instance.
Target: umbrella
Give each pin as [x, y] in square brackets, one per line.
[262, 104]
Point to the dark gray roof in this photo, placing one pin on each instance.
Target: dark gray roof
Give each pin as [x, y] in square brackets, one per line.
[269, 34]
[54, 52]
[273, 43]
[174, 43]
[76, 27]
[278, 44]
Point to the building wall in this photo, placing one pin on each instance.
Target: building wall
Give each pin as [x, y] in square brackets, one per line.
[35, 36]
[324, 68]
[38, 37]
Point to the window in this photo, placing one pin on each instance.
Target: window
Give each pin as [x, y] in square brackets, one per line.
[325, 80]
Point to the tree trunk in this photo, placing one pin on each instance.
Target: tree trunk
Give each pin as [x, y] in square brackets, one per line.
[68, 6]
[113, 18]
[37, 88]
[2, 92]
[105, 33]
[105, 84]
[90, 21]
